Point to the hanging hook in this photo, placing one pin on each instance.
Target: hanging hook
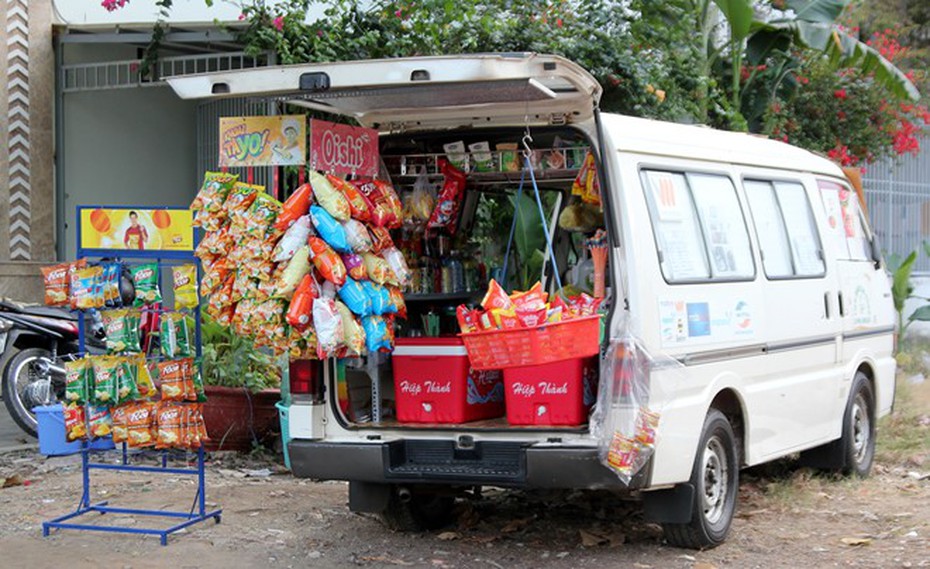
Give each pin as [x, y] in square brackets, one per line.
[527, 141]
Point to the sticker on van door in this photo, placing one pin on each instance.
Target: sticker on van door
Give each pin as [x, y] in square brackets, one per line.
[701, 322]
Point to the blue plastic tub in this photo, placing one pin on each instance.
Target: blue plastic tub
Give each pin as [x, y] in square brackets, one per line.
[285, 430]
[52, 439]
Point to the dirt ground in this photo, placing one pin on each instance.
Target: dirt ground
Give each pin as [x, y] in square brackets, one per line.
[787, 517]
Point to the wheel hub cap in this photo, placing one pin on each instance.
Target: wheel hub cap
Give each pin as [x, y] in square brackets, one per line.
[715, 480]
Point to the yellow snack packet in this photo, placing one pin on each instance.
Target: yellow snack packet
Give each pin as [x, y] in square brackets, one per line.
[185, 286]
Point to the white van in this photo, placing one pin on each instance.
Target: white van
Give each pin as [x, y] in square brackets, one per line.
[747, 260]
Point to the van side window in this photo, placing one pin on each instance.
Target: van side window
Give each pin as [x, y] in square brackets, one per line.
[699, 227]
[785, 228]
[845, 221]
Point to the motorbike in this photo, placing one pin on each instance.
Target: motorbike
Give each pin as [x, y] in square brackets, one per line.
[35, 342]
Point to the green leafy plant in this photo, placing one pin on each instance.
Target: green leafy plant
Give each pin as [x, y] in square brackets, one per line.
[230, 360]
[902, 289]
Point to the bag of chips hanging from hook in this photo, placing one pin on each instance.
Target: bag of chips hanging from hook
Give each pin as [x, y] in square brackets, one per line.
[76, 380]
[145, 279]
[100, 423]
[75, 425]
[358, 206]
[294, 207]
[294, 238]
[184, 278]
[333, 201]
[357, 236]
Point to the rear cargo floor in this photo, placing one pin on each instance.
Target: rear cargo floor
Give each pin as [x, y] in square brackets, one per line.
[498, 424]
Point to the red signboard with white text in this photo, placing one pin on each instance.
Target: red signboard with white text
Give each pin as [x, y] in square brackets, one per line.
[343, 149]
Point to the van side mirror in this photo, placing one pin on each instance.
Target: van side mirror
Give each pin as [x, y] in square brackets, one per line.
[876, 252]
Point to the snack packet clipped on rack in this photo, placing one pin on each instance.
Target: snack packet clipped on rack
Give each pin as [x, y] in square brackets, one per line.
[168, 422]
[75, 425]
[175, 335]
[294, 238]
[239, 199]
[126, 371]
[185, 286]
[297, 267]
[353, 294]
[111, 276]
[294, 207]
[56, 279]
[213, 191]
[104, 379]
[144, 383]
[357, 236]
[76, 380]
[378, 269]
[327, 261]
[145, 279]
[172, 377]
[377, 333]
[140, 422]
[261, 216]
[355, 266]
[328, 326]
[120, 423]
[380, 207]
[329, 229]
[445, 215]
[300, 311]
[329, 197]
[352, 331]
[122, 327]
[87, 288]
[100, 423]
[358, 206]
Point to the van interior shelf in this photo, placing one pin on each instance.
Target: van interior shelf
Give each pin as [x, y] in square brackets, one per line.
[440, 296]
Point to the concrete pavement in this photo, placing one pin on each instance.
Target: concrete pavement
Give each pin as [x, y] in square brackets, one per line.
[11, 436]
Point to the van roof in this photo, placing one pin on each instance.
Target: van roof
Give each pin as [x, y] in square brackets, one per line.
[661, 138]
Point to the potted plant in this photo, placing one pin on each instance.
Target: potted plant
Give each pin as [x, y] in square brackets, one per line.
[242, 384]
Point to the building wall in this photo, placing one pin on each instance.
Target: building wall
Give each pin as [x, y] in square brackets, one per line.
[27, 223]
[133, 146]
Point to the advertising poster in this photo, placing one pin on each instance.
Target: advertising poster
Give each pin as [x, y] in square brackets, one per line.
[263, 141]
[343, 149]
[138, 229]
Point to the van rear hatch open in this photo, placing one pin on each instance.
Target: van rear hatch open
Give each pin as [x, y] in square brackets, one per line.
[421, 92]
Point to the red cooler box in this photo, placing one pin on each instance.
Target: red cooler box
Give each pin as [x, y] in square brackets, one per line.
[560, 393]
[434, 383]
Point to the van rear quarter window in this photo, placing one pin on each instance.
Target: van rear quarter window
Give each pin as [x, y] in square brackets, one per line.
[699, 227]
[845, 223]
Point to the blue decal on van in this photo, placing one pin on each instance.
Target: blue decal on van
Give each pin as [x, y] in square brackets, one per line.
[698, 319]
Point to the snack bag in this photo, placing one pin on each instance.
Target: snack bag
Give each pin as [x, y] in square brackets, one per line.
[530, 301]
[379, 206]
[221, 307]
[75, 425]
[100, 423]
[352, 330]
[646, 425]
[380, 239]
[120, 424]
[327, 261]
[380, 298]
[140, 422]
[397, 263]
[185, 286]
[353, 294]
[197, 381]
[397, 301]
[389, 195]
[168, 421]
[144, 384]
[355, 266]
[376, 333]
[468, 319]
[126, 370]
[145, 279]
[447, 206]
[300, 312]
[294, 207]
[505, 318]
[212, 194]
[76, 376]
[241, 321]
[269, 318]
[122, 328]
[171, 375]
[86, 290]
[261, 216]
[496, 297]
[239, 199]
[295, 237]
[215, 277]
[358, 206]
[175, 335]
[57, 284]
[330, 198]
[357, 236]
[378, 269]
[111, 275]
[298, 266]
[532, 318]
[329, 229]
[328, 325]
[104, 379]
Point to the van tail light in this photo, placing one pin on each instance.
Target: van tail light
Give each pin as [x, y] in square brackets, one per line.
[306, 378]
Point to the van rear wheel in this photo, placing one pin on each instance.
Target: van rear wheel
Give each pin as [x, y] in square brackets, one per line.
[715, 478]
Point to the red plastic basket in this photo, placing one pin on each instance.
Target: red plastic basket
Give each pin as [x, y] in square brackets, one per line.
[501, 349]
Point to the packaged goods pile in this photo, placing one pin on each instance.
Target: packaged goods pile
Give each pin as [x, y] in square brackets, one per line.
[316, 276]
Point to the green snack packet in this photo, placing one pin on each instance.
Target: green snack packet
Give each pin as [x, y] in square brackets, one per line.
[197, 379]
[145, 279]
[175, 336]
[104, 380]
[76, 373]
[122, 330]
[126, 370]
[262, 214]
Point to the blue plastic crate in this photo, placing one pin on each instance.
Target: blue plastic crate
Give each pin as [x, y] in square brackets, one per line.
[283, 409]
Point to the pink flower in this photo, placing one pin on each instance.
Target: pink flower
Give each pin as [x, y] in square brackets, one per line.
[241, 17]
[840, 93]
[112, 5]
[279, 23]
[398, 13]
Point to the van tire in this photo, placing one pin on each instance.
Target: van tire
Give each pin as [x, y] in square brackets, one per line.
[854, 451]
[715, 478]
[423, 511]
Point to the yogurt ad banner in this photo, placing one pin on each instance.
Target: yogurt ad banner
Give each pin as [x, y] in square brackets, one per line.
[263, 141]
[137, 229]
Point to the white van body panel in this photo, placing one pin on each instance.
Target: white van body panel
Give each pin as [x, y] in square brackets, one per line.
[781, 350]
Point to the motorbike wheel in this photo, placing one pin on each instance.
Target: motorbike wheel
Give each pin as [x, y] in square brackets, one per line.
[22, 390]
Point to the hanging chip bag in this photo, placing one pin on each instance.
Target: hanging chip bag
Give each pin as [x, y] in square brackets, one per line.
[355, 266]
[300, 312]
[75, 425]
[358, 206]
[329, 229]
[184, 278]
[357, 236]
[100, 423]
[328, 326]
[397, 263]
[295, 237]
[297, 267]
[76, 376]
[120, 425]
[376, 333]
[140, 421]
[57, 280]
[353, 294]
[144, 383]
[378, 269]
[294, 207]
[126, 371]
[168, 421]
[175, 335]
[122, 328]
[86, 289]
[171, 375]
[145, 279]
[352, 331]
[327, 196]
[327, 261]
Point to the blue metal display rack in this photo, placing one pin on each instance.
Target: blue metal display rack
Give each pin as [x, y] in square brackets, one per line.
[198, 511]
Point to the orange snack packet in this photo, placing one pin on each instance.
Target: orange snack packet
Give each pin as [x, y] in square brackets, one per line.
[168, 417]
[57, 281]
[496, 297]
[120, 424]
[171, 374]
[358, 205]
[75, 425]
[140, 420]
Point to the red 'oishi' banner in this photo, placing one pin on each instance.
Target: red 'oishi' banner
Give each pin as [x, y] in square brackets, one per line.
[343, 149]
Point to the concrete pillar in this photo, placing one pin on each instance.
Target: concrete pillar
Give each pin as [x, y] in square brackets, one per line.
[27, 191]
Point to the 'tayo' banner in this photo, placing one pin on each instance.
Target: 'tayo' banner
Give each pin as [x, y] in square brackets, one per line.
[263, 141]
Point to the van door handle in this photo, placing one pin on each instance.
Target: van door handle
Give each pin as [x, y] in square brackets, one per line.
[826, 305]
[840, 298]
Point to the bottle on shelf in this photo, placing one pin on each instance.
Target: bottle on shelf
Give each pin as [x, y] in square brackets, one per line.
[458, 273]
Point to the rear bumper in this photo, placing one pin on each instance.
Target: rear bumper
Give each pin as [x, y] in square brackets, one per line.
[530, 467]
